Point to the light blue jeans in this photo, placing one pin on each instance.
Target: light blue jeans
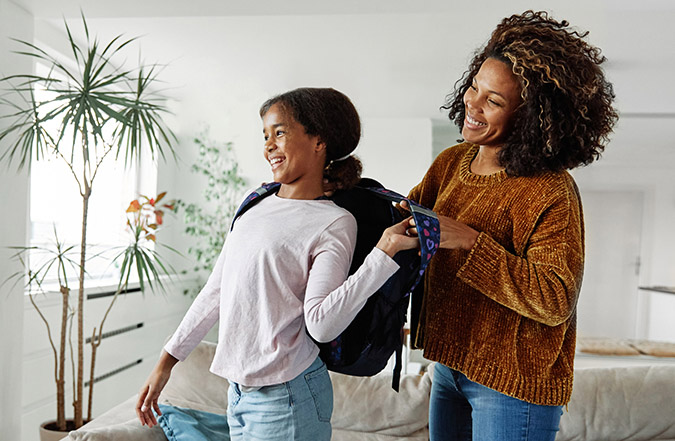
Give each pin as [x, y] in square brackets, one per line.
[298, 410]
[462, 410]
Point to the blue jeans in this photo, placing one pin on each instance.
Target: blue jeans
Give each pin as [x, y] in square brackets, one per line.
[298, 410]
[462, 410]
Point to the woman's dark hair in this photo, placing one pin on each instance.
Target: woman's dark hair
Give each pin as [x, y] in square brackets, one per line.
[566, 115]
[332, 117]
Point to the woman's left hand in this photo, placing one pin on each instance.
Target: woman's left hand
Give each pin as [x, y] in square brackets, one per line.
[454, 234]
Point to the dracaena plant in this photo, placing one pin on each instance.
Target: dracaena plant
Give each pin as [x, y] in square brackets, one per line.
[94, 111]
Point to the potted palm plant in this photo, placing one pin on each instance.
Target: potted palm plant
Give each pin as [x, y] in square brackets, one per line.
[95, 112]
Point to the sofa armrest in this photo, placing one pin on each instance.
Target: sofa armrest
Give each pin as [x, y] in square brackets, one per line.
[623, 403]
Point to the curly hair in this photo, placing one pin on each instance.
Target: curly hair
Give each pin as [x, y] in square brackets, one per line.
[566, 115]
[330, 115]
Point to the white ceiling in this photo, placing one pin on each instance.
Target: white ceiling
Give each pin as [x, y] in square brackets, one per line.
[212, 8]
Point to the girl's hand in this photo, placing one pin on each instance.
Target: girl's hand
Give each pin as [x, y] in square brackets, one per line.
[399, 237]
[149, 394]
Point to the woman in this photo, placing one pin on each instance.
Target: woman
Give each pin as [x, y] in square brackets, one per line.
[499, 308]
[282, 273]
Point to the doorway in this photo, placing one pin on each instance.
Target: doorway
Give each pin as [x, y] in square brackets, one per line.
[608, 303]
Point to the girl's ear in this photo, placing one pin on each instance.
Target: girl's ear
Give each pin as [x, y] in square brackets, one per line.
[320, 145]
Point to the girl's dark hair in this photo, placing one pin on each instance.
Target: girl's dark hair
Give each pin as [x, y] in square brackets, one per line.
[330, 115]
[566, 115]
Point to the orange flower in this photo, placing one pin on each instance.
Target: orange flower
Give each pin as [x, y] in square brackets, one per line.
[134, 206]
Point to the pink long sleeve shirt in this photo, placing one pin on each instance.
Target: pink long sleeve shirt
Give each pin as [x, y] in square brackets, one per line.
[281, 272]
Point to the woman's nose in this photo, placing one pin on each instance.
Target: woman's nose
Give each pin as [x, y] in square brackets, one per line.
[468, 102]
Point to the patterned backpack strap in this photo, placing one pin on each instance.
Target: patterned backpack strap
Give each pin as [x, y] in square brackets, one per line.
[428, 228]
[254, 197]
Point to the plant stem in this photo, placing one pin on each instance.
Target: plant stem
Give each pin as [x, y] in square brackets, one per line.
[94, 346]
[61, 381]
[77, 403]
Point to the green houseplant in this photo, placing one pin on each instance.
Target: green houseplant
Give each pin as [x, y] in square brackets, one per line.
[207, 221]
[96, 111]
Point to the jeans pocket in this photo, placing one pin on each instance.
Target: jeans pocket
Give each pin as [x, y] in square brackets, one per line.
[321, 388]
[233, 395]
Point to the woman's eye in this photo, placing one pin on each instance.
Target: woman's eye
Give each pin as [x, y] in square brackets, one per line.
[494, 103]
[473, 87]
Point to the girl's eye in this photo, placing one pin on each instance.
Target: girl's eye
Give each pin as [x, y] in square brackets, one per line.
[280, 132]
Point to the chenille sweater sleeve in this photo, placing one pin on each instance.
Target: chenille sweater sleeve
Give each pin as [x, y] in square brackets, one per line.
[542, 278]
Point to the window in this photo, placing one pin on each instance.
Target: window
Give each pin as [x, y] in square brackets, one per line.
[56, 206]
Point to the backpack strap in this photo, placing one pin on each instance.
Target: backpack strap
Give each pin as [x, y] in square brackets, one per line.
[254, 197]
[428, 228]
[429, 234]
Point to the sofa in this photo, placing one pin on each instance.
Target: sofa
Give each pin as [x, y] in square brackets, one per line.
[631, 402]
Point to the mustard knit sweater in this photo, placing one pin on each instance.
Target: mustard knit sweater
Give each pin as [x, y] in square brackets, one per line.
[504, 313]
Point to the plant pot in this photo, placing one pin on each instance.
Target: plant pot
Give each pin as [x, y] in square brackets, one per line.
[48, 431]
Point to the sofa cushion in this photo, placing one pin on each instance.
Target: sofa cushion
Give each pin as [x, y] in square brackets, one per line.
[370, 405]
[192, 385]
[119, 423]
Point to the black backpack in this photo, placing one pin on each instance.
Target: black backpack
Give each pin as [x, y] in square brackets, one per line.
[376, 333]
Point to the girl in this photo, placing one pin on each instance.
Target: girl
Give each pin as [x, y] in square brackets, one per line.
[282, 274]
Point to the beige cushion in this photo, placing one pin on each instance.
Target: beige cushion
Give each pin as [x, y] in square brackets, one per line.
[654, 348]
[370, 405]
[605, 346]
[192, 385]
[614, 346]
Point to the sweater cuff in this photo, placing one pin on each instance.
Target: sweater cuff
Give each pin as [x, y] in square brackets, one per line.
[483, 262]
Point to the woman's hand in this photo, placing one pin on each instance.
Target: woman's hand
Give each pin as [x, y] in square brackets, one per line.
[329, 187]
[399, 237]
[149, 394]
[454, 234]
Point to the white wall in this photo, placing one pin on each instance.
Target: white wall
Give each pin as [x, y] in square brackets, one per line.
[14, 22]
